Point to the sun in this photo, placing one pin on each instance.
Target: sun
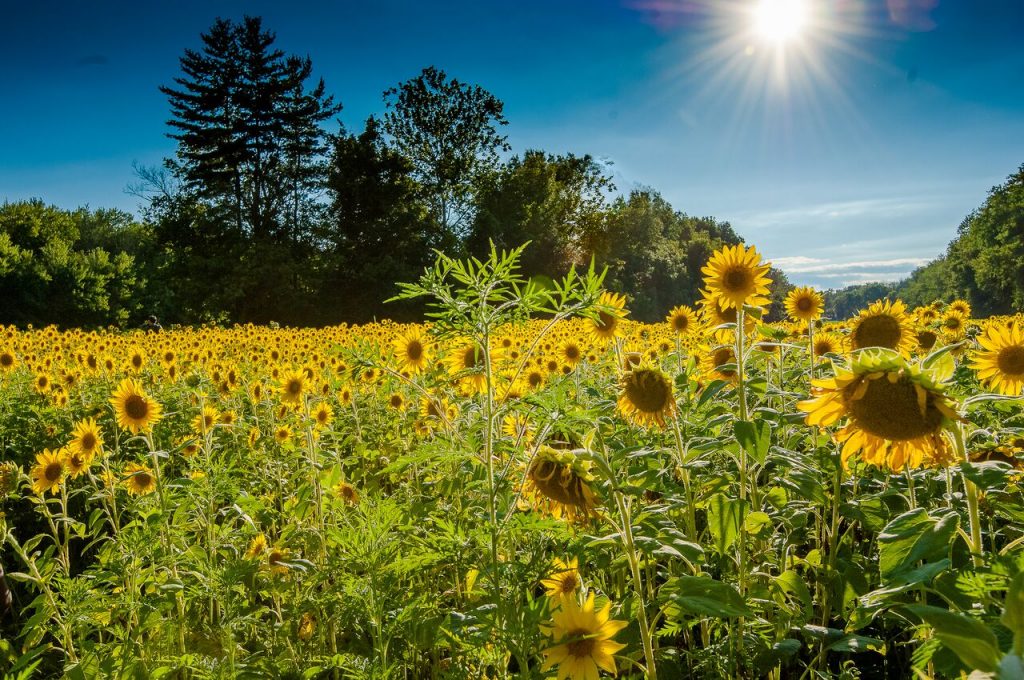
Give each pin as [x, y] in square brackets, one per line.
[779, 21]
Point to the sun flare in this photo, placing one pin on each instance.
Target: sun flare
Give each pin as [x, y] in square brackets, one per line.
[780, 20]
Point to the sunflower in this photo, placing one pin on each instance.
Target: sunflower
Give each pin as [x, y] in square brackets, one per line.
[571, 352]
[76, 463]
[323, 414]
[557, 482]
[467, 363]
[282, 434]
[682, 320]
[277, 559]
[257, 546]
[896, 411]
[608, 324]
[8, 361]
[954, 325]
[961, 307]
[346, 492]
[926, 339]
[827, 343]
[293, 384]
[735, 277]
[582, 640]
[86, 439]
[713, 362]
[412, 350]
[883, 324]
[564, 580]
[1000, 361]
[203, 422]
[804, 304]
[139, 479]
[645, 397]
[307, 626]
[135, 410]
[48, 472]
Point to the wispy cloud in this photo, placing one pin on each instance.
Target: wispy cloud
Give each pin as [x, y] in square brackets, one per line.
[811, 265]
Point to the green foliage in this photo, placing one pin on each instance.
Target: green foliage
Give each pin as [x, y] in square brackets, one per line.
[76, 267]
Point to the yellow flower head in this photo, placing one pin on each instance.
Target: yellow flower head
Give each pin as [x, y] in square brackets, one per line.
[735, 276]
[582, 639]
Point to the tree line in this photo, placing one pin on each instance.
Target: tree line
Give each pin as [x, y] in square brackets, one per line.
[271, 210]
[984, 263]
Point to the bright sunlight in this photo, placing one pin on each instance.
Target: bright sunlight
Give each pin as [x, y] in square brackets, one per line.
[780, 20]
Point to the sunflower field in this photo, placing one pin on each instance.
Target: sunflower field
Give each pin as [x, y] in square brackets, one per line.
[529, 485]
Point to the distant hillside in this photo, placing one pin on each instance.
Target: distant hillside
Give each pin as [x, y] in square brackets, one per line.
[984, 264]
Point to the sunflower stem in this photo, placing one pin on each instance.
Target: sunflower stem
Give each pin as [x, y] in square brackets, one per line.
[634, 566]
[971, 490]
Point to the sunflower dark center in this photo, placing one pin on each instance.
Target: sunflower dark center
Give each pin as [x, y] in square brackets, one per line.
[738, 279]
[88, 441]
[136, 407]
[6, 360]
[567, 582]
[142, 480]
[891, 410]
[1011, 360]
[471, 357]
[396, 400]
[572, 352]
[535, 379]
[581, 647]
[137, 361]
[926, 339]
[414, 350]
[648, 391]
[681, 322]
[53, 471]
[294, 386]
[882, 330]
[722, 357]
[558, 482]
[805, 304]
[823, 347]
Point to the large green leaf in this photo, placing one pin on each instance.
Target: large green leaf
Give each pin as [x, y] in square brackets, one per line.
[725, 515]
[703, 596]
[755, 437]
[968, 638]
[912, 537]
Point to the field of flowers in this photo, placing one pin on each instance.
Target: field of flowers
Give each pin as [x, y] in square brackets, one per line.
[530, 485]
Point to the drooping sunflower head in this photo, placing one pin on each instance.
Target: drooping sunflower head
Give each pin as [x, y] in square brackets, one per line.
[804, 304]
[135, 410]
[611, 314]
[1000, 361]
[882, 324]
[736, 277]
[896, 411]
[346, 492]
[645, 396]
[682, 321]
[558, 482]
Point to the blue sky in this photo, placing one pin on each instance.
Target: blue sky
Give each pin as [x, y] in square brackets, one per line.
[856, 160]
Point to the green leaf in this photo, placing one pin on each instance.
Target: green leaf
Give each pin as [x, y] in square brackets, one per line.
[1013, 611]
[940, 363]
[912, 537]
[968, 638]
[755, 438]
[703, 596]
[724, 518]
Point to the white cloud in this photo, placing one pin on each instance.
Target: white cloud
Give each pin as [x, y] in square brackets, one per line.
[810, 265]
